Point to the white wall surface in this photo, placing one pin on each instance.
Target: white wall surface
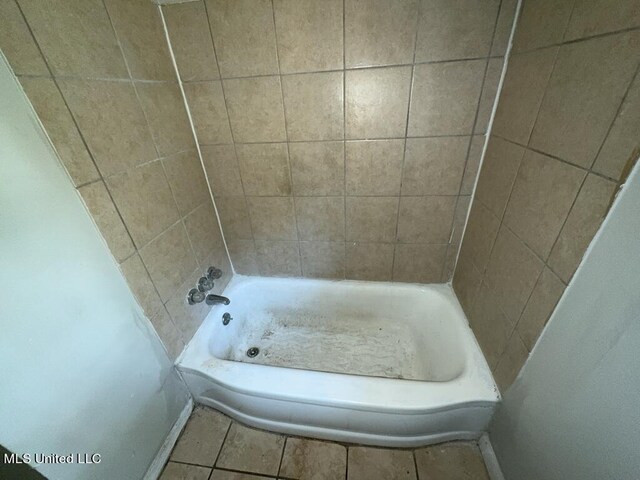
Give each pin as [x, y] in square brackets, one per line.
[574, 411]
[81, 369]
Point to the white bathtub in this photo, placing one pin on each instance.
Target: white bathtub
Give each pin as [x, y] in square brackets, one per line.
[363, 362]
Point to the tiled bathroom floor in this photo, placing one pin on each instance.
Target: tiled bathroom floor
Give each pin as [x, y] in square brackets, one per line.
[214, 447]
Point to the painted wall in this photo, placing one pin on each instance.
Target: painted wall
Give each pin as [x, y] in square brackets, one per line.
[573, 411]
[82, 369]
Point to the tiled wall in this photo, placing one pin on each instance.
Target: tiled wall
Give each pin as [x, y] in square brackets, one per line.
[100, 78]
[567, 123]
[342, 139]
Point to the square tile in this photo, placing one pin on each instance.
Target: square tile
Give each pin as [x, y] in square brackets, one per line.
[244, 36]
[137, 277]
[445, 98]
[168, 333]
[369, 261]
[278, 258]
[466, 283]
[222, 169]
[419, 263]
[17, 43]
[322, 260]
[450, 30]
[264, 168]
[187, 181]
[480, 234]
[164, 107]
[595, 17]
[374, 167]
[585, 217]
[181, 471]
[588, 83]
[141, 36]
[488, 96]
[317, 168]
[111, 121]
[473, 163]
[541, 23]
[144, 200]
[76, 38]
[320, 218]
[510, 363]
[376, 102]
[204, 234]
[366, 463]
[255, 109]
[191, 41]
[304, 458]
[169, 260]
[107, 218]
[425, 219]
[460, 219]
[372, 219]
[309, 35]
[209, 112]
[542, 196]
[243, 256]
[455, 460]
[234, 217]
[434, 166]
[521, 95]
[61, 128]
[314, 106]
[251, 450]
[512, 272]
[202, 437]
[272, 218]
[378, 32]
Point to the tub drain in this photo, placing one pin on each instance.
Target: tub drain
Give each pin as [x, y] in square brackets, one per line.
[253, 352]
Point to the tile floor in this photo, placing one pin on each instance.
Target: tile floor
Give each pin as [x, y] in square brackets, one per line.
[214, 447]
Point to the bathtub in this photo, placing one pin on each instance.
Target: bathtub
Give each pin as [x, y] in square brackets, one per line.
[362, 362]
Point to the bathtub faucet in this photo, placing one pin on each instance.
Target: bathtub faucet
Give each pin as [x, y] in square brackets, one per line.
[216, 299]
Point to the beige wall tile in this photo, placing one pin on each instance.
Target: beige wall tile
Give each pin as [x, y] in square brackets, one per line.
[202, 437]
[367, 463]
[313, 105]
[234, 216]
[317, 168]
[544, 298]
[480, 235]
[499, 169]
[449, 263]
[473, 163]
[541, 23]
[521, 95]
[142, 287]
[371, 219]
[452, 460]
[186, 179]
[17, 43]
[209, 112]
[542, 196]
[419, 263]
[510, 363]
[466, 283]
[251, 450]
[191, 41]
[622, 139]
[594, 17]
[111, 121]
[503, 27]
[255, 109]
[61, 128]
[243, 256]
[378, 32]
[139, 29]
[453, 29]
[264, 168]
[322, 259]
[459, 219]
[107, 218]
[425, 219]
[167, 117]
[170, 261]
[278, 258]
[488, 96]
[144, 200]
[512, 272]
[374, 167]
[305, 458]
[244, 36]
[434, 166]
[582, 223]
[222, 169]
[168, 333]
[376, 102]
[272, 218]
[76, 37]
[309, 35]
[445, 98]
[320, 218]
[187, 318]
[588, 83]
[369, 261]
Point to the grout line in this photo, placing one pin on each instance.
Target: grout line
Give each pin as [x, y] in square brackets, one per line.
[335, 140]
[224, 441]
[284, 447]
[346, 470]
[344, 134]
[415, 463]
